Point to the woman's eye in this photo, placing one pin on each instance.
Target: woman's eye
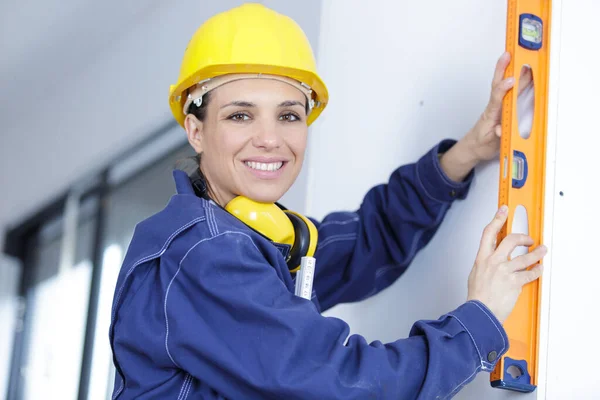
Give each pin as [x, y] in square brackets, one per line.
[239, 117]
[289, 117]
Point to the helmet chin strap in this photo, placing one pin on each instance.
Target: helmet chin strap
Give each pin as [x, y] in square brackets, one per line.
[196, 92]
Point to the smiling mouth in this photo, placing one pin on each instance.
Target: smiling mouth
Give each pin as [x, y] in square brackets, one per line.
[268, 167]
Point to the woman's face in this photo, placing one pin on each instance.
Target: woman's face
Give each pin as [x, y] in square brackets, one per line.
[252, 139]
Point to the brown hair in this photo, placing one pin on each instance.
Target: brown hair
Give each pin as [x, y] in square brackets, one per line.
[192, 164]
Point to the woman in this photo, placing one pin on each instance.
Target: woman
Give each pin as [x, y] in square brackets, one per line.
[205, 305]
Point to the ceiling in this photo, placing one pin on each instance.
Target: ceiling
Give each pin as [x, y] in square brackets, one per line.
[43, 43]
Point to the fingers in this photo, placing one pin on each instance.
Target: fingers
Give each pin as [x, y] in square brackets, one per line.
[491, 231]
[510, 242]
[500, 87]
[525, 277]
[526, 79]
[499, 92]
[501, 65]
[524, 261]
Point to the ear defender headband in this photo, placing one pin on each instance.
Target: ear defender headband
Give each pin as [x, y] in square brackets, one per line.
[272, 221]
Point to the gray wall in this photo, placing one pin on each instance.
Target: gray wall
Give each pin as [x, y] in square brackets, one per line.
[9, 284]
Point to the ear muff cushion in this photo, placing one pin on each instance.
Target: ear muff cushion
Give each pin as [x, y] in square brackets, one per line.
[301, 242]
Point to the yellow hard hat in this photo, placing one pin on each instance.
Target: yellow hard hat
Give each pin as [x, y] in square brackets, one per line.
[249, 39]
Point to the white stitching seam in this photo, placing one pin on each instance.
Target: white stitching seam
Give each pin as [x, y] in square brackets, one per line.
[353, 219]
[187, 391]
[119, 390]
[211, 222]
[140, 261]
[175, 275]
[151, 256]
[448, 181]
[209, 219]
[213, 219]
[481, 360]
[183, 387]
[337, 238]
[207, 208]
[424, 189]
[486, 314]
[382, 270]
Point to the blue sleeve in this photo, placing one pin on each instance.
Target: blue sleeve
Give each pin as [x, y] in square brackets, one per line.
[233, 324]
[361, 253]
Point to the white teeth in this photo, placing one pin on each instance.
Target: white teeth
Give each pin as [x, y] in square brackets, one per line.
[264, 166]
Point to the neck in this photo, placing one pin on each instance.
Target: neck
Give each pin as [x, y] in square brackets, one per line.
[215, 195]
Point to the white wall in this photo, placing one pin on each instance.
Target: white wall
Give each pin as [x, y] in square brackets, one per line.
[572, 325]
[403, 76]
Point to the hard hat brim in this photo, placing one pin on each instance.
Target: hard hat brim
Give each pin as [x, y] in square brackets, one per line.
[177, 97]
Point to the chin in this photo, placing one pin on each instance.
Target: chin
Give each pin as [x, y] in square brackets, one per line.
[265, 197]
[266, 193]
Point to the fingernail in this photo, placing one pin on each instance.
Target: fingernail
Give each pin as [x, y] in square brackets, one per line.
[510, 81]
[503, 209]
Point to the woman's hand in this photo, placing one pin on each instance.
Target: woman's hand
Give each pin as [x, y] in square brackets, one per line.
[482, 142]
[484, 138]
[497, 281]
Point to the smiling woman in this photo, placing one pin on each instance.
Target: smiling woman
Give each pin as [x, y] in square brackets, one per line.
[206, 306]
[252, 137]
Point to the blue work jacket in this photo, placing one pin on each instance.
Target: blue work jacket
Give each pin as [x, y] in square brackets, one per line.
[204, 307]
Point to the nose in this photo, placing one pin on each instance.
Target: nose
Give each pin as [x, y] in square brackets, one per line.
[267, 136]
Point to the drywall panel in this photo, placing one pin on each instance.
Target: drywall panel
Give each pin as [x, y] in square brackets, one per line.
[403, 76]
[572, 327]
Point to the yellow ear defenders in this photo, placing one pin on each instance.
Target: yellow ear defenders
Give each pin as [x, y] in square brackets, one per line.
[272, 221]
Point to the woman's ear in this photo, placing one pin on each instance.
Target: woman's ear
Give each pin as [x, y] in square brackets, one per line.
[195, 132]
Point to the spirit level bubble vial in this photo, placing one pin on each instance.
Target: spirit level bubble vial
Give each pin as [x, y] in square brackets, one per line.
[530, 31]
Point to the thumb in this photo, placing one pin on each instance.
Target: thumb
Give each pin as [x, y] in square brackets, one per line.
[498, 130]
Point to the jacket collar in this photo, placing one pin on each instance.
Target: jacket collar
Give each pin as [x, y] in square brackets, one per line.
[182, 182]
[153, 235]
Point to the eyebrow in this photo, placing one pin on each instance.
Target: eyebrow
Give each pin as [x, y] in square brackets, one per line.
[290, 103]
[239, 104]
[287, 103]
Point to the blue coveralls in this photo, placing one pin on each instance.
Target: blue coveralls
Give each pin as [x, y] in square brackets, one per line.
[204, 307]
